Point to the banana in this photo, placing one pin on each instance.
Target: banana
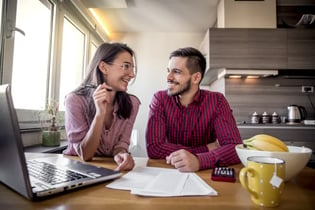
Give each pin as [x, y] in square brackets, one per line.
[266, 143]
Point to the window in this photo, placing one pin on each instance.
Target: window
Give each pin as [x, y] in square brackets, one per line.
[72, 60]
[31, 55]
[1, 25]
[50, 60]
[1, 6]
[93, 48]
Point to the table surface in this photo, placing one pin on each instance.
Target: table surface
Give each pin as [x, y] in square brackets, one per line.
[299, 193]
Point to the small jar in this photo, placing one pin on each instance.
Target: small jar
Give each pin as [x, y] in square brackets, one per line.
[265, 118]
[255, 119]
[275, 118]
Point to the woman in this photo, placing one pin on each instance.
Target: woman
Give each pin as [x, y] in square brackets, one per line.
[100, 114]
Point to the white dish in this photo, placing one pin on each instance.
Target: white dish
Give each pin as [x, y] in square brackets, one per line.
[296, 159]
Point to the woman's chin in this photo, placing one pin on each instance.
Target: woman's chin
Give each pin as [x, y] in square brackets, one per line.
[123, 89]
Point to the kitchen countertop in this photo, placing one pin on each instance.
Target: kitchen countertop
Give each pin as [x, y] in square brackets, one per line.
[299, 134]
[275, 126]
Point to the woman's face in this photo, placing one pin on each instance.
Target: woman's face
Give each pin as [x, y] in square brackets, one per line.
[119, 72]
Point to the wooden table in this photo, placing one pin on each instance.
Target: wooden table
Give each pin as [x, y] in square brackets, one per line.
[299, 193]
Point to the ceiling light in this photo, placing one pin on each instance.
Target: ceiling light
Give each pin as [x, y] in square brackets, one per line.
[252, 77]
[98, 19]
[106, 4]
[245, 72]
[235, 76]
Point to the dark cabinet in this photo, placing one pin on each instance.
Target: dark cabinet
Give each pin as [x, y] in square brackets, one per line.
[301, 48]
[261, 48]
[248, 48]
[267, 49]
[228, 48]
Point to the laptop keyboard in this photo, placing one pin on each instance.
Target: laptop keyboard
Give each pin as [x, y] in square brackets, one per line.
[51, 174]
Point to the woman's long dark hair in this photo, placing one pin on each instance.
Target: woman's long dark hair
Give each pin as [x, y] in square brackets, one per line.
[107, 52]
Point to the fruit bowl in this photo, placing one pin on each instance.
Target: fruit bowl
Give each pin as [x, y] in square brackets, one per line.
[296, 159]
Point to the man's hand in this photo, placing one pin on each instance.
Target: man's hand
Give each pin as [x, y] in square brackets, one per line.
[183, 160]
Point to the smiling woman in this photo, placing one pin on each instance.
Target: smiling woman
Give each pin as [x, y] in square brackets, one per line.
[98, 121]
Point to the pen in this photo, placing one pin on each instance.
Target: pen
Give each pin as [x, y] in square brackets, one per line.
[94, 87]
[90, 86]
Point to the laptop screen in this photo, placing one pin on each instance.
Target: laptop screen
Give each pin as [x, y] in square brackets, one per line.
[13, 170]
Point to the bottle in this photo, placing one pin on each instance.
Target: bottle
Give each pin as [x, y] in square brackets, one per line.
[255, 119]
[275, 118]
[265, 118]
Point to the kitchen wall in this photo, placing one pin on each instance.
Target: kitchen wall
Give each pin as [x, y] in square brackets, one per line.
[247, 96]
[152, 51]
[246, 14]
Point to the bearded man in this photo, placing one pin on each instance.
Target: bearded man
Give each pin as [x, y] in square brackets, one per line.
[193, 129]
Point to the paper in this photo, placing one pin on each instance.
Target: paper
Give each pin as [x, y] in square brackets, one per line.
[161, 182]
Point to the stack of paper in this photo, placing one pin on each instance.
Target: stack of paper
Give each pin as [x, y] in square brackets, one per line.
[161, 182]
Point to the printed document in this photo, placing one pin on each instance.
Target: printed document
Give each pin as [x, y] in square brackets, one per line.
[162, 182]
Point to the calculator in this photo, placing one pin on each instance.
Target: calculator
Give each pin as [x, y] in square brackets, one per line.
[224, 174]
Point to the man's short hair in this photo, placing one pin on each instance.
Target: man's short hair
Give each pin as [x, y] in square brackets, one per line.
[196, 61]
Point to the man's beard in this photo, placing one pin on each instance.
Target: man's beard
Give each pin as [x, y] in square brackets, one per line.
[182, 89]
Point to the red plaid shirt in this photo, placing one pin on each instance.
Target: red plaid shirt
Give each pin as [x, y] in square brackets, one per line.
[172, 126]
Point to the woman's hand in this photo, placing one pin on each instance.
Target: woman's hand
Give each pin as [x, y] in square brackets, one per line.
[102, 97]
[124, 161]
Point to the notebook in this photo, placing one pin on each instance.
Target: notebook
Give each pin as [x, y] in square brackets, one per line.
[26, 175]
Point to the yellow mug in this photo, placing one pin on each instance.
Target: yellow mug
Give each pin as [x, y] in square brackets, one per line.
[263, 178]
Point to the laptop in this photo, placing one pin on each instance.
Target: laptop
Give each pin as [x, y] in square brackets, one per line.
[26, 175]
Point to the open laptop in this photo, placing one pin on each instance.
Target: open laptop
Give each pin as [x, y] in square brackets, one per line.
[27, 177]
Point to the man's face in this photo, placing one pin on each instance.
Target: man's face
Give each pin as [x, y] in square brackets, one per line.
[178, 78]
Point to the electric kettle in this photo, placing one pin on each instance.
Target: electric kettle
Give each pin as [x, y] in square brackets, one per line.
[296, 113]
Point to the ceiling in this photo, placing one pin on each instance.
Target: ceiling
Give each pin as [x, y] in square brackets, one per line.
[121, 16]
[125, 16]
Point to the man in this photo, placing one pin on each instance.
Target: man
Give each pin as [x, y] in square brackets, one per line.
[193, 129]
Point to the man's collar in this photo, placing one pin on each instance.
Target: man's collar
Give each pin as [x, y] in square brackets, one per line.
[197, 98]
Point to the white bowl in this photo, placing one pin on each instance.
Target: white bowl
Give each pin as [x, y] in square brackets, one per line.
[296, 159]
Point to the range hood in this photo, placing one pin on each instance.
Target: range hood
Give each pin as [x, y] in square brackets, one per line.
[215, 74]
[245, 73]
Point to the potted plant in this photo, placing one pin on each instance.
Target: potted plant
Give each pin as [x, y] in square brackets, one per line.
[50, 128]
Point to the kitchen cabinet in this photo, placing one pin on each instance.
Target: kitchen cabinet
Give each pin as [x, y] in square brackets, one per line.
[260, 48]
[228, 48]
[301, 48]
[205, 48]
[248, 48]
[267, 49]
